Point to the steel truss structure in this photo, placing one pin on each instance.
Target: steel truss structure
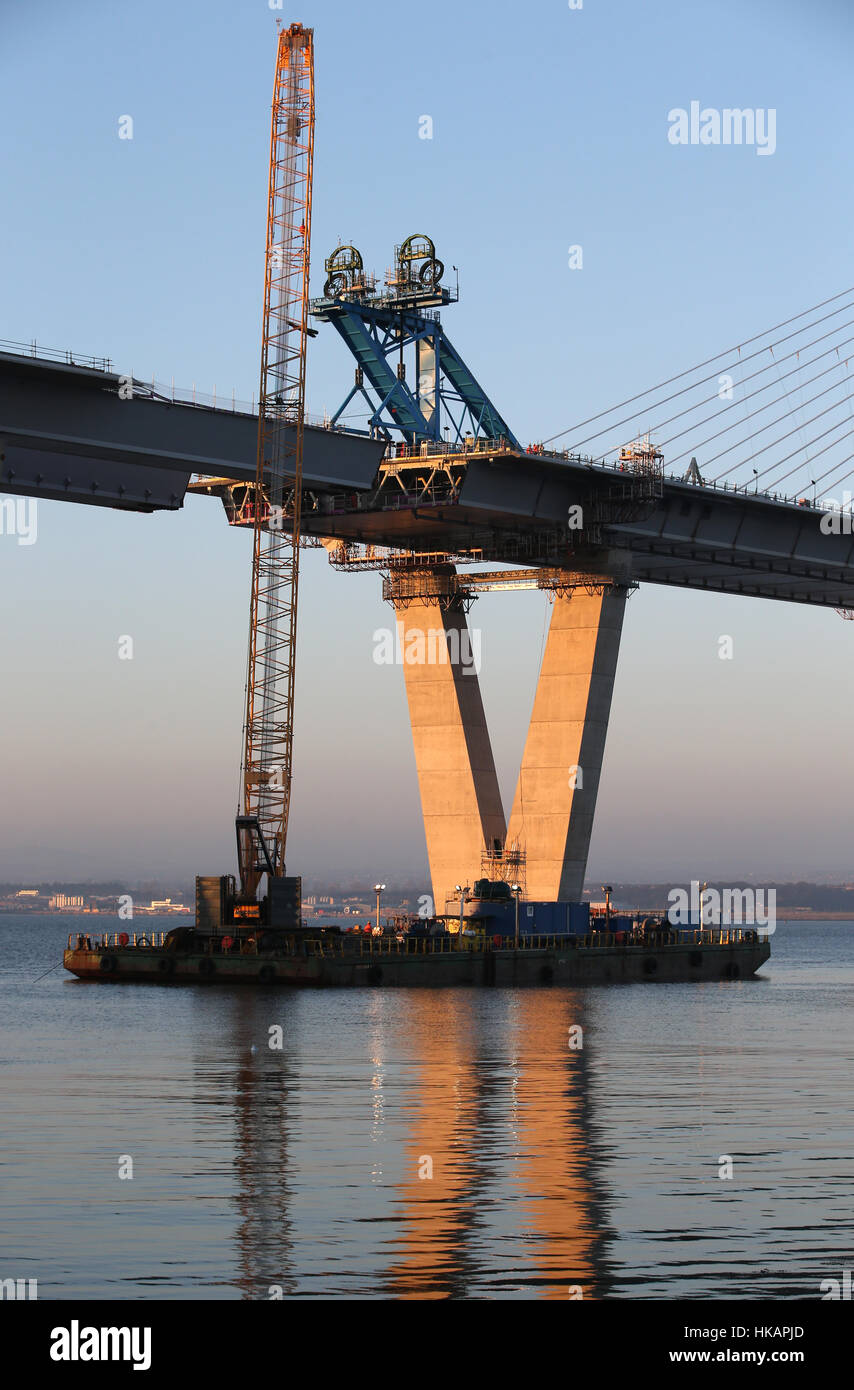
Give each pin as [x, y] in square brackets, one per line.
[449, 590]
[268, 742]
[445, 399]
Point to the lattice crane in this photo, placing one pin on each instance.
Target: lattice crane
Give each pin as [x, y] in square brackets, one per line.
[262, 822]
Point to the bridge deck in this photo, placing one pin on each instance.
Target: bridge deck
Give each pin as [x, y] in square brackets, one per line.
[66, 433]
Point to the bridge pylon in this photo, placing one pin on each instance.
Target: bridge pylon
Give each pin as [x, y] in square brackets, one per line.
[555, 801]
[460, 799]
[546, 844]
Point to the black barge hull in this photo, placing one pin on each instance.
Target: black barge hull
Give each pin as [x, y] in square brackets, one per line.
[560, 963]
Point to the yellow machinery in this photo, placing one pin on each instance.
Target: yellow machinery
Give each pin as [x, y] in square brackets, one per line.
[415, 266]
[346, 274]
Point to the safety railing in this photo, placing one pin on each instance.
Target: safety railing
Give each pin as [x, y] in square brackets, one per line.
[673, 936]
[438, 945]
[390, 946]
[450, 943]
[64, 355]
[86, 941]
[227, 401]
[436, 448]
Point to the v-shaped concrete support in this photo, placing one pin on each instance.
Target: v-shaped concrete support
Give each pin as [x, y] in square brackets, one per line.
[552, 816]
[460, 800]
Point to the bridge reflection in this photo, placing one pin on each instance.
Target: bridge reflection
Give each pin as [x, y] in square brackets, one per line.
[452, 1154]
[500, 1106]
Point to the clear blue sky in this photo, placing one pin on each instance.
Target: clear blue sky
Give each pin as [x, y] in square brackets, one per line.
[550, 129]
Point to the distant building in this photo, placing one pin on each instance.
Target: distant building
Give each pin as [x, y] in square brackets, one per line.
[27, 893]
[61, 901]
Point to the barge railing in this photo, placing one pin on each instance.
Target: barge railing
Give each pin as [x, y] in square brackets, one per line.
[389, 945]
[385, 945]
[85, 941]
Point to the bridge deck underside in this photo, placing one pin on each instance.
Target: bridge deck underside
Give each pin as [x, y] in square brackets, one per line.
[692, 537]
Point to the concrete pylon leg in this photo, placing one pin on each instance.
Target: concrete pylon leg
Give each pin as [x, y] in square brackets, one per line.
[460, 800]
[552, 816]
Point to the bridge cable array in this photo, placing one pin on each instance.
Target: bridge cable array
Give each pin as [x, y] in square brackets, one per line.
[741, 406]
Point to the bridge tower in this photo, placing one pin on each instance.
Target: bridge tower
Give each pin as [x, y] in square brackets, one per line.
[460, 799]
[544, 847]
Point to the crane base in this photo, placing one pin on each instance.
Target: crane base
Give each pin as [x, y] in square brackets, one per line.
[218, 908]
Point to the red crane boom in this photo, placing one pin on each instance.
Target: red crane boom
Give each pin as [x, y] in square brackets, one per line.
[262, 823]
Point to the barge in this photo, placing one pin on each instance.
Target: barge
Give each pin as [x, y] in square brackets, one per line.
[329, 957]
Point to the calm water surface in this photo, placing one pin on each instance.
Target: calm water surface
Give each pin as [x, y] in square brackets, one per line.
[301, 1168]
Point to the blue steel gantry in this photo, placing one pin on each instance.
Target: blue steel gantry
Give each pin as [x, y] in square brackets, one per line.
[445, 398]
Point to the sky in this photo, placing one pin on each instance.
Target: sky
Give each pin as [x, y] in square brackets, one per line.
[549, 129]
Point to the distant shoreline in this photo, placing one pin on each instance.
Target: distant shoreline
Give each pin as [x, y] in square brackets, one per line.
[79, 912]
[794, 915]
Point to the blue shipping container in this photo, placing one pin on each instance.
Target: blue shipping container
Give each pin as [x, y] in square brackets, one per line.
[535, 919]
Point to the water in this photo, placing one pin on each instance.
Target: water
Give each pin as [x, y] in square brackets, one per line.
[299, 1170]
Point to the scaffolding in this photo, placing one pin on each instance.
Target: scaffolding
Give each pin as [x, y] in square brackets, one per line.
[505, 864]
[443, 586]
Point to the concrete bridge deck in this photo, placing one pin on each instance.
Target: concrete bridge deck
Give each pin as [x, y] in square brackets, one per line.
[513, 507]
[65, 433]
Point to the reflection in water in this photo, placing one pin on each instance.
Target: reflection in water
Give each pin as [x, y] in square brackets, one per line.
[299, 1168]
[557, 1175]
[498, 1104]
[440, 1211]
[479, 1148]
[263, 1099]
